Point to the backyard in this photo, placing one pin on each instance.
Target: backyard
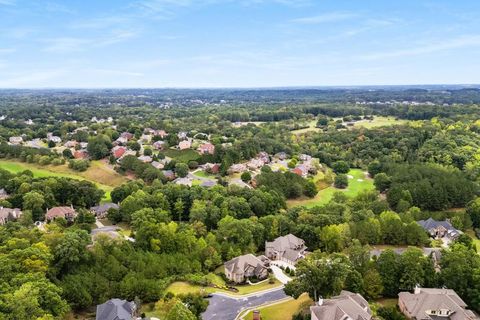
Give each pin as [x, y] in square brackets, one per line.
[182, 287]
[181, 155]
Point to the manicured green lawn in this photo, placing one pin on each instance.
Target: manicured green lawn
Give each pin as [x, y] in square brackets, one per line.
[284, 310]
[103, 177]
[181, 287]
[355, 185]
[182, 155]
[203, 174]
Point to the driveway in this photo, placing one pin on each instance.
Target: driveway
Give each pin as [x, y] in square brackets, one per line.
[284, 264]
[109, 230]
[223, 307]
[282, 277]
[112, 231]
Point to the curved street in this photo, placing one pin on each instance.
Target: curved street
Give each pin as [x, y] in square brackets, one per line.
[226, 307]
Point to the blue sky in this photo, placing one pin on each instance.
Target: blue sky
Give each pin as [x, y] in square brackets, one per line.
[237, 43]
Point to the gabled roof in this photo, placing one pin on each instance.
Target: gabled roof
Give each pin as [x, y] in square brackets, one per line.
[287, 246]
[104, 207]
[347, 305]
[424, 299]
[430, 224]
[208, 183]
[289, 241]
[242, 263]
[115, 309]
[8, 213]
[57, 212]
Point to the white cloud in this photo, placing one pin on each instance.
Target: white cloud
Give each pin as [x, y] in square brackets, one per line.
[72, 44]
[101, 22]
[111, 72]
[326, 17]
[447, 44]
[31, 79]
[66, 44]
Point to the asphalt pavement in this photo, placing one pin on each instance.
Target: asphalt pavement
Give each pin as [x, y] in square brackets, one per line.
[223, 307]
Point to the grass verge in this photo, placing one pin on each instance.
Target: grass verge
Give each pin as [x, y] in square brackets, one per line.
[284, 310]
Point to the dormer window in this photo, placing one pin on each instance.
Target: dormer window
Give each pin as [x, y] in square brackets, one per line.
[440, 313]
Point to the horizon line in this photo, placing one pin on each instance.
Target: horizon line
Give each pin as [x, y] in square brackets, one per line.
[352, 86]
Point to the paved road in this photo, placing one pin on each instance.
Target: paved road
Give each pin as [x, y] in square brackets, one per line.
[222, 307]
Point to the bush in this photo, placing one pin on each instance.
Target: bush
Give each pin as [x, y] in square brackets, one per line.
[193, 164]
[390, 313]
[44, 160]
[79, 165]
[271, 279]
[246, 176]
[341, 181]
[57, 162]
[340, 167]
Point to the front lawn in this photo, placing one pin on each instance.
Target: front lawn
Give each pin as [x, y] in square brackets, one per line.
[284, 310]
[182, 287]
[203, 174]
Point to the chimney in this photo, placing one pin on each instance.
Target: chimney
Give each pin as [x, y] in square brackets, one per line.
[320, 301]
[417, 289]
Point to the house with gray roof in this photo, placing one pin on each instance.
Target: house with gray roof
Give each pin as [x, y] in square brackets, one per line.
[288, 248]
[434, 304]
[346, 306]
[116, 309]
[241, 268]
[440, 229]
[101, 210]
[3, 194]
[186, 181]
[7, 214]
[208, 183]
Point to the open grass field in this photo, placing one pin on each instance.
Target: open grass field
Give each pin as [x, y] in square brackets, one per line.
[368, 124]
[182, 155]
[359, 183]
[284, 310]
[379, 122]
[181, 287]
[312, 127]
[99, 173]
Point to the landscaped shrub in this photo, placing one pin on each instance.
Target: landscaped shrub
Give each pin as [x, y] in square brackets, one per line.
[341, 181]
[79, 165]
